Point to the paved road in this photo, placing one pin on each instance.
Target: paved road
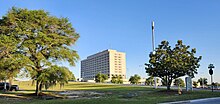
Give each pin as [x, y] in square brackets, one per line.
[198, 101]
[206, 101]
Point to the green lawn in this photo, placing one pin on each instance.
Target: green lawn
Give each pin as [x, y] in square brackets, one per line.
[114, 94]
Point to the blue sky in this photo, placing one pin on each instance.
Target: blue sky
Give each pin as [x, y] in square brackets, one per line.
[125, 25]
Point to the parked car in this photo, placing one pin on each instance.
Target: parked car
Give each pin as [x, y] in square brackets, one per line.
[13, 87]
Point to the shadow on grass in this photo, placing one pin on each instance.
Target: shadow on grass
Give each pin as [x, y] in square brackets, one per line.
[29, 94]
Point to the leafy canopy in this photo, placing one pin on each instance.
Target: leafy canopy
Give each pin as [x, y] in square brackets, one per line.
[55, 74]
[170, 63]
[40, 38]
[11, 61]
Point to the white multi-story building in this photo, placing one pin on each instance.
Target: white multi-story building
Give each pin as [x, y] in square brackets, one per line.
[109, 62]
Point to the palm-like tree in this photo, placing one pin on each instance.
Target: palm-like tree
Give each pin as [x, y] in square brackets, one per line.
[202, 81]
[135, 79]
[117, 79]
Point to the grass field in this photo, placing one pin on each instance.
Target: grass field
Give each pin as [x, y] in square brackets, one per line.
[112, 94]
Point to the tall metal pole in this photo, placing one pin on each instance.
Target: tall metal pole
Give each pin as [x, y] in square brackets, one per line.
[152, 35]
[155, 79]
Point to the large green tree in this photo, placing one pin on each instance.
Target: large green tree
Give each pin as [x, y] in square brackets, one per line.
[42, 38]
[135, 79]
[170, 63]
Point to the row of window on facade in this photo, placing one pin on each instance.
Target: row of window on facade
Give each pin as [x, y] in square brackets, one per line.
[92, 76]
[117, 71]
[93, 73]
[95, 63]
[95, 68]
[100, 57]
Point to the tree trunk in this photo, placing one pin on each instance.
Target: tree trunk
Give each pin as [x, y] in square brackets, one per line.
[37, 84]
[40, 88]
[169, 84]
[168, 87]
[10, 82]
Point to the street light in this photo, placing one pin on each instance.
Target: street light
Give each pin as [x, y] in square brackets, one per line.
[211, 66]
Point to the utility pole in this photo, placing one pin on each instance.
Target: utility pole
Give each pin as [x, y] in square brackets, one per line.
[155, 79]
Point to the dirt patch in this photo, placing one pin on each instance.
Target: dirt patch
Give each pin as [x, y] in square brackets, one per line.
[54, 95]
[168, 92]
[80, 94]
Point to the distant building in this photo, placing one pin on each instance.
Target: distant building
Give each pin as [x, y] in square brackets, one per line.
[109, 62]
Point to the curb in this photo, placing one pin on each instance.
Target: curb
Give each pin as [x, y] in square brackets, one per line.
[177, 102]
[190, 101]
